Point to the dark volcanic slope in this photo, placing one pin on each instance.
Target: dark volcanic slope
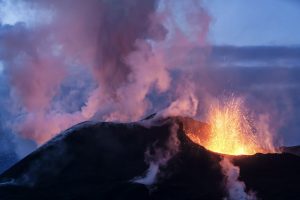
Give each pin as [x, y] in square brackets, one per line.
[292, 150]
[99, 160]
[271, 176]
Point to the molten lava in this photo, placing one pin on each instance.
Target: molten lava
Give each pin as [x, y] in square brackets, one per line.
[232, 132]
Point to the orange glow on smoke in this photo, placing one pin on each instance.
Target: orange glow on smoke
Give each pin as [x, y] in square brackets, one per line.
[231, 132]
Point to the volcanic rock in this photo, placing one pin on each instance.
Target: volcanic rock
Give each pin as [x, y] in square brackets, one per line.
[101, 161]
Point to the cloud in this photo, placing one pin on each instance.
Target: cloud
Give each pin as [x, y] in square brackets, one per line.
[256, 56]
[12, 147]
[13, 12]
[1, 67]
[121, 60]
[96, 60]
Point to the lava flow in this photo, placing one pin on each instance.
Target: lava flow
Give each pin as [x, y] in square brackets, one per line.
[232, 132]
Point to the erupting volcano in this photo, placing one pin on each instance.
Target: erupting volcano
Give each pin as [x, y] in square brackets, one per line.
[149, 159]
[233, 132]
[79, 80]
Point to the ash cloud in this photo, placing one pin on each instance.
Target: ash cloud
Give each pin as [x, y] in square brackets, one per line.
[12, 147]
[72, 61]
[40, 57]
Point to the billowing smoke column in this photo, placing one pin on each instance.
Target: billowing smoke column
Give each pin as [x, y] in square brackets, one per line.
[114, 60]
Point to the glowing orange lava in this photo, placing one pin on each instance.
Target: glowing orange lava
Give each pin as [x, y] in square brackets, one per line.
[232, 132]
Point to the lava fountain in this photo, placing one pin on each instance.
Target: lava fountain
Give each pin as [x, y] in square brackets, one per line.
[232, 131]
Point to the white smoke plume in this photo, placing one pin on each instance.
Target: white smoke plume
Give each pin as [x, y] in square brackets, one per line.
[160, 157]
[186, 105]
[236, 189]
[125, 57]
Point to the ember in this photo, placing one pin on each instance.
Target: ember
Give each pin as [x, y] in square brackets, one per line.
[232, 132]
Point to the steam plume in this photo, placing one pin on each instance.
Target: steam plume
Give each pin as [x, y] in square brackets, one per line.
[236, 188]
[160, 157]
[128, 51]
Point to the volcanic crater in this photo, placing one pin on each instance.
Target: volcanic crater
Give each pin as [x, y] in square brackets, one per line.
[103, 160]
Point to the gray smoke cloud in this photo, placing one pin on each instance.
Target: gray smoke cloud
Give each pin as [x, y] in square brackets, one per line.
[63, 62]
[70, 61]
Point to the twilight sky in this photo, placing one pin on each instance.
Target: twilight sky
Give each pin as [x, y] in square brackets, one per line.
[234, 22]
[254, 51]
[268, 71]
[254, 22]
